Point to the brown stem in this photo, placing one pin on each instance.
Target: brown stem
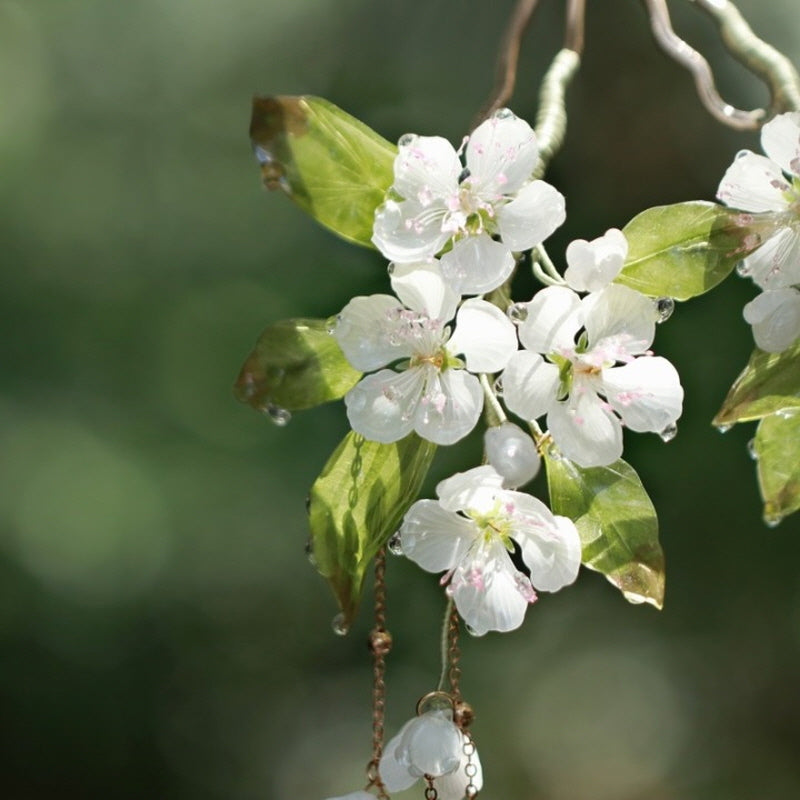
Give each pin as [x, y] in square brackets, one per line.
[507, 59]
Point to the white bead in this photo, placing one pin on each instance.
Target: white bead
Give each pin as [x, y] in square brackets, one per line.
[512, 453]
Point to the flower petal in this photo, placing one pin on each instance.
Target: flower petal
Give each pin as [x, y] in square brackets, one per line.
[554, 318]
[646, 393]
[422, 287]
[474, 489]
[754, 183]
[593, 265]
[551, 546]
[490, 593]
[536, 211]
[484, 335]
[394, 773]
[433, 538]
[776, 264]
[780, 138]
[450, 406]
[501, 155]
[408, 231]
[775, 317]
[364, 332]
[431, 745]
[530, 385]
[620, 321]
[381, 407]
[585, 431]
[477, 264]
[454, 785]
[426, 167]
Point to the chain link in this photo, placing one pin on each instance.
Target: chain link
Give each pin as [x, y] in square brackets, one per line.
[380, 643]
[470, 768]
[454, 655]
[430, 789]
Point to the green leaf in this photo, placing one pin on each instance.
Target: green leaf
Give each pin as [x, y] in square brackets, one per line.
[295, 364]
[770, 382]
[616, 522]
[331, 164]
[777, 451]
[683, 250]
[357, 503]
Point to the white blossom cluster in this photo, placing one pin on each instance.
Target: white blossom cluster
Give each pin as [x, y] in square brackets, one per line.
[770, 187]
[578, 355]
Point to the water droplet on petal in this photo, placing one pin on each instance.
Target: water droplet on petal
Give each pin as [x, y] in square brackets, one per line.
[664, 308]
[332, 322]
[724, 428]
[309, 548]
[280, 416]
[390, 269]
[742, 269]
[751, 449]
[669, 433]
[339, 625]
[407, 139]
[471, 631]
[517, 312]
[504, 113]
[395, 544]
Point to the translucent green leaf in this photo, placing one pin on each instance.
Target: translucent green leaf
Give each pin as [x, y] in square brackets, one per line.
[295, 364]
[331, 164]
[777, 451]
[357, 503]
[770, 382]
[683, 250]
[616, 522]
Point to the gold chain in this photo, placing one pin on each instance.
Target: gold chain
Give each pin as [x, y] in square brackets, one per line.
[380, 643]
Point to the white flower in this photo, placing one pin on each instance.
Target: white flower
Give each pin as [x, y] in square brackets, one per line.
[470, 531]
[591, 266]
[430, 744]
[759, 184]
[775, 317]
[592, 382]
[443, 202]
[434, 392]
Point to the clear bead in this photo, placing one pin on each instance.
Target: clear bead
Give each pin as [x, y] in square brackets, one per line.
[504, 113]
[395, 544]
[517, 312]
[339, 625]
[407, 139]
[280, 416]
[664, 308]
[669, 433]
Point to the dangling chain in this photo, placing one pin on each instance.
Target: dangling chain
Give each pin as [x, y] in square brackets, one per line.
[380, 643]
[462, 711]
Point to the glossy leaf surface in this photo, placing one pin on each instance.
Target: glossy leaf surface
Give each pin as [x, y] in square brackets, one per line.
[295, 364]
[683, 250]
[617, 524]
[331, 164]
[776, 449]
[770, 382]
[357, 503]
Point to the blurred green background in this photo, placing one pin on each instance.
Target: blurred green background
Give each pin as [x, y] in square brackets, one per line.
[162, 634]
